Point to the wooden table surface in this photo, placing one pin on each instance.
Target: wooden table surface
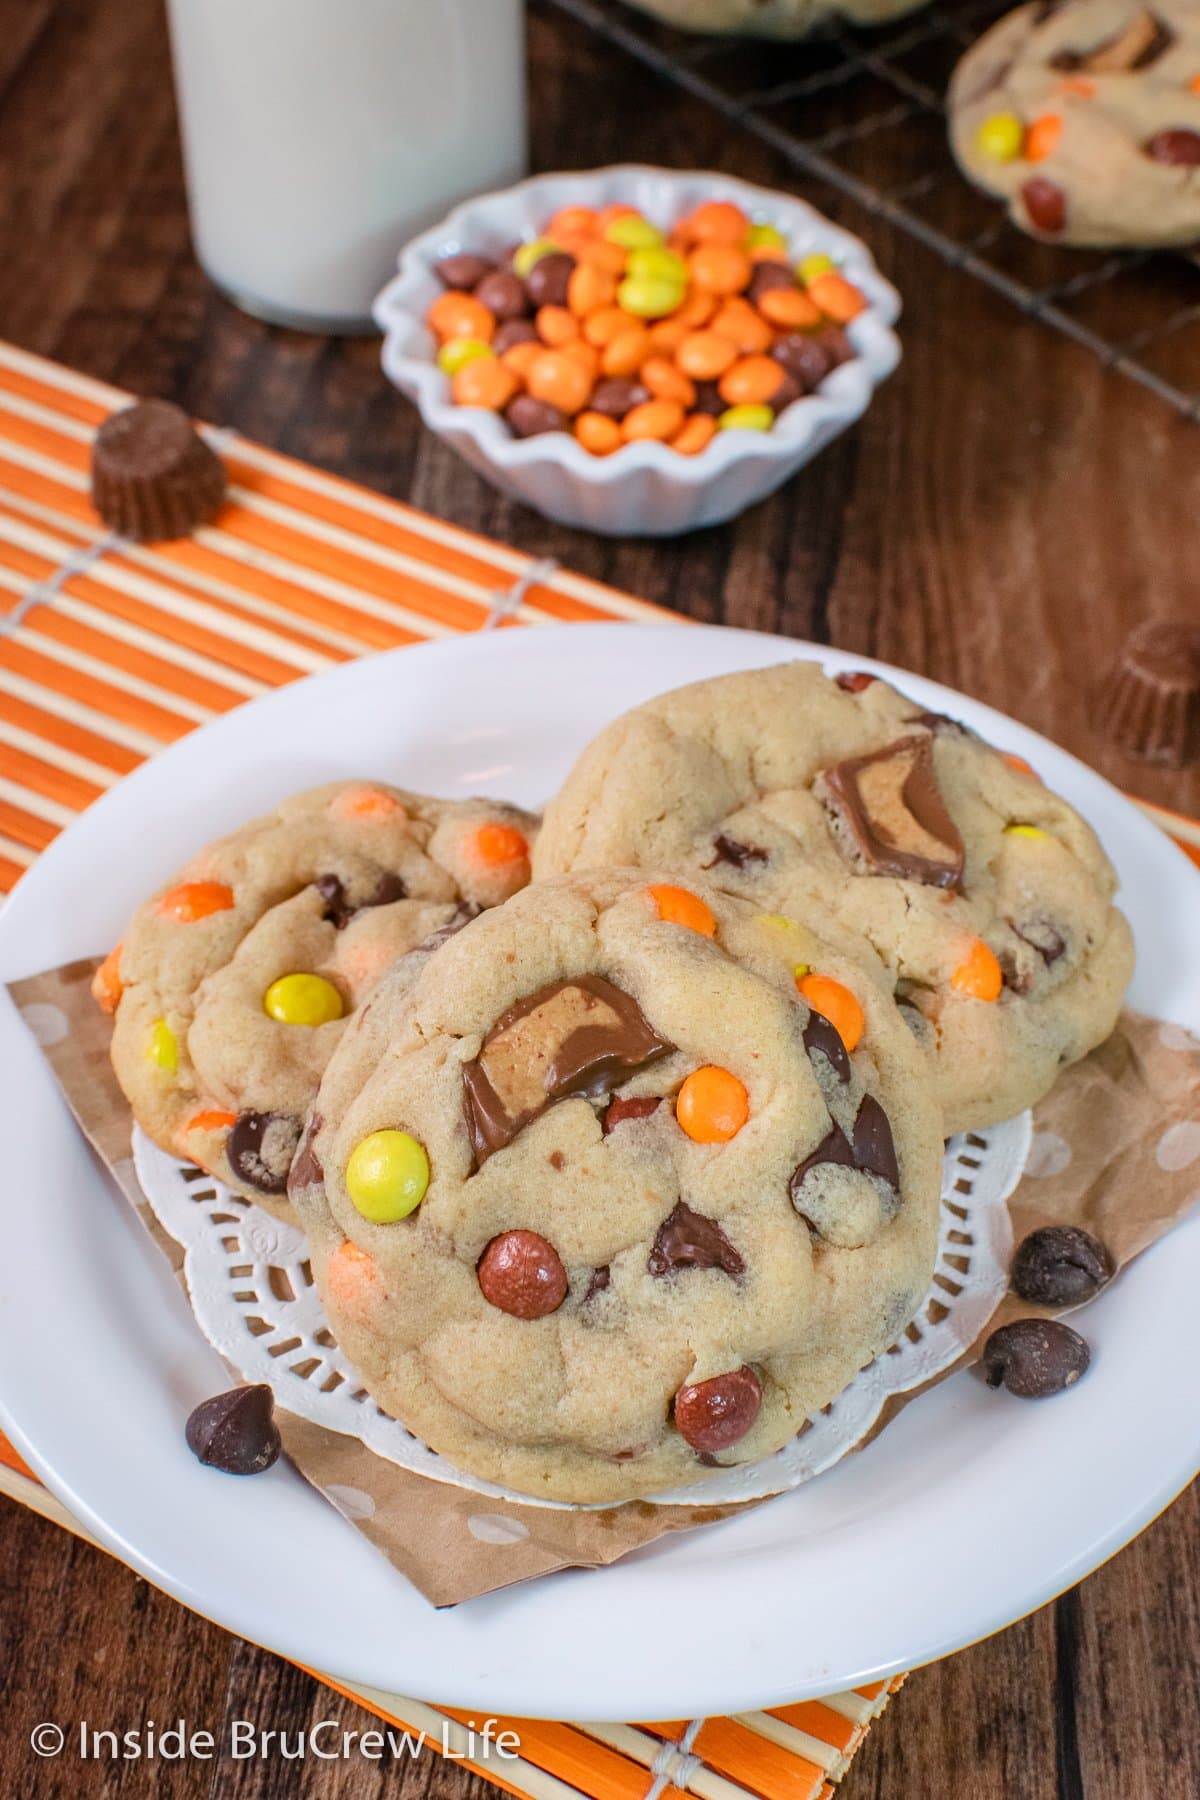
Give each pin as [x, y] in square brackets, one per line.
[1004, 514]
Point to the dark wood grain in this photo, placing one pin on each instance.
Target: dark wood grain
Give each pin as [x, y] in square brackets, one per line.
[1002, 516]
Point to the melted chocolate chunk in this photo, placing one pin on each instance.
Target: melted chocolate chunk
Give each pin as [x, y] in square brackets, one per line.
[892, 808]
[938, 722]
[732, 851]
[339, 909]
[1136, 46]
[260, 1147]
[600, 1279]
[236, 1431]
[306, 1169]
[1041, 936]
[820, 1035]
[689, 1240]
[835, 1147]
[573, 1037]
[618, 1110]
[873, 1151]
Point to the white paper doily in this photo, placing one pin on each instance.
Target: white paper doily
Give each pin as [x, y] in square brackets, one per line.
[253, 1295]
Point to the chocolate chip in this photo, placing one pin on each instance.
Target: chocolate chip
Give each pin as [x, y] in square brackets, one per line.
[708, 400]
[1034, 1357]
[1060, 1265]
[306, 1170]
[530, 418]
[806, 359]
[1042, 936]
[1178, 148]
[462, 271]
[522, 1275]
[768, 275]
[599, 1281]
[571, 1037]
[547, 281]
[1046, 205]
[339, 909]
[619, 1109]
[733, 851]
[260, 1148]
[689, 1240]
[1138, 44]
[617, 396]
[853, 681]
[820, 1035]
[513, 332]
[464, 912]
[503, 293]
[714, 1415]
[891, 810]
[874, 1146]
[835, 1147]
[236, 1431]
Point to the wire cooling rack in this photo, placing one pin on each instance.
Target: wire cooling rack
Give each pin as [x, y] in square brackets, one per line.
[845, 104]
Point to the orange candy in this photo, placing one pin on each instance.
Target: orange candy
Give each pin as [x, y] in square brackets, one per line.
[704, 355]
[696, 310]
[520, 358]
[1081, 87]
[460, 315]
[712, 1105]
[788, 308]
[600, 328]
[626, 353]
[556, 326]
[1019, 764]
[608, 215]
[666, 382]
[745, 327]
[598, 433]
[752, 381]
[1042, 137]
[979, 975]
[837, 1004]
[589, 289]
[485, 382]
[586, 355]
[694, 435]
[667, 336]
[653, 419]
[610, 258]
[364, 803]
[718, 222]
[571, 221]
[679, 906]
[211, 1120]
[560, 380]
[194, 900]
[719, 268]
[355, 1283]
[499, 844]
[1194, 84]
[837, 298]
[106, 982]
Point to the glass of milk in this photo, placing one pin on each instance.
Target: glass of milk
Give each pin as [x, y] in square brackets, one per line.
[319, 135]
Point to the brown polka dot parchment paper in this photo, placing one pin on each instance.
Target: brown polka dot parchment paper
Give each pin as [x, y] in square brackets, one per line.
[1116, 1149]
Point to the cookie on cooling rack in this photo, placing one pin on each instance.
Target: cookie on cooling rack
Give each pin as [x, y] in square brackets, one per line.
[233, 984]
[773, 18]
[1084, 116]
[986, 896]
[598, 1198]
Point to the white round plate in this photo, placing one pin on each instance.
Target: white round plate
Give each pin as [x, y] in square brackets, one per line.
[971, 1509]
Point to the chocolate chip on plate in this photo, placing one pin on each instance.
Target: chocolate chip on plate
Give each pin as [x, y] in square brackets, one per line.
[1033, 1358]
[235, 1431]
[1060, 1265]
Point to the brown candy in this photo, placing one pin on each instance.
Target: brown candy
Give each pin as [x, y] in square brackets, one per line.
[715, 1415]
[530, 418]
[892, 809]
[767, 276]
[546, 283]
[1033, 1358]
[572, 1037]
[521, 1274]
[260, 1147]
[463, 271]
[806, 359]
[788, 391]
[1046, 205]
[1151, 708]
[1060, 1265]
[153, 476]
[513, 332]
[1178, 148]
[619, 1110]
[689, 1240]
[618, 396]
[503, 293]
[236, 1431]
[708, 399]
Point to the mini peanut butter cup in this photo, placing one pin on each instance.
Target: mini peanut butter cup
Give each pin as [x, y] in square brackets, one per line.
[153, 476]
[1151, 708]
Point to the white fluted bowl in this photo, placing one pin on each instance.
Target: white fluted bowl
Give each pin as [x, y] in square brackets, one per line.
[643, 488]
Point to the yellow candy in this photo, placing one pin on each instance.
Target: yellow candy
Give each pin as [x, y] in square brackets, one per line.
[657, 264]
[387, 1176]
[1025, 831]
[632, 232]
[801, 970]
[162, 1048]
[303, 1000]
[779, 921]
[528, 254]
[1002, 137]
[649, 297]
[760, 237]
[746, 418]
[456, 353]
[809, 268]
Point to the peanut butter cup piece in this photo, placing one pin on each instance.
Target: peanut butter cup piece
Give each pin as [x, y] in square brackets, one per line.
[891, 814]
[1151, 708]
[153, 476]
